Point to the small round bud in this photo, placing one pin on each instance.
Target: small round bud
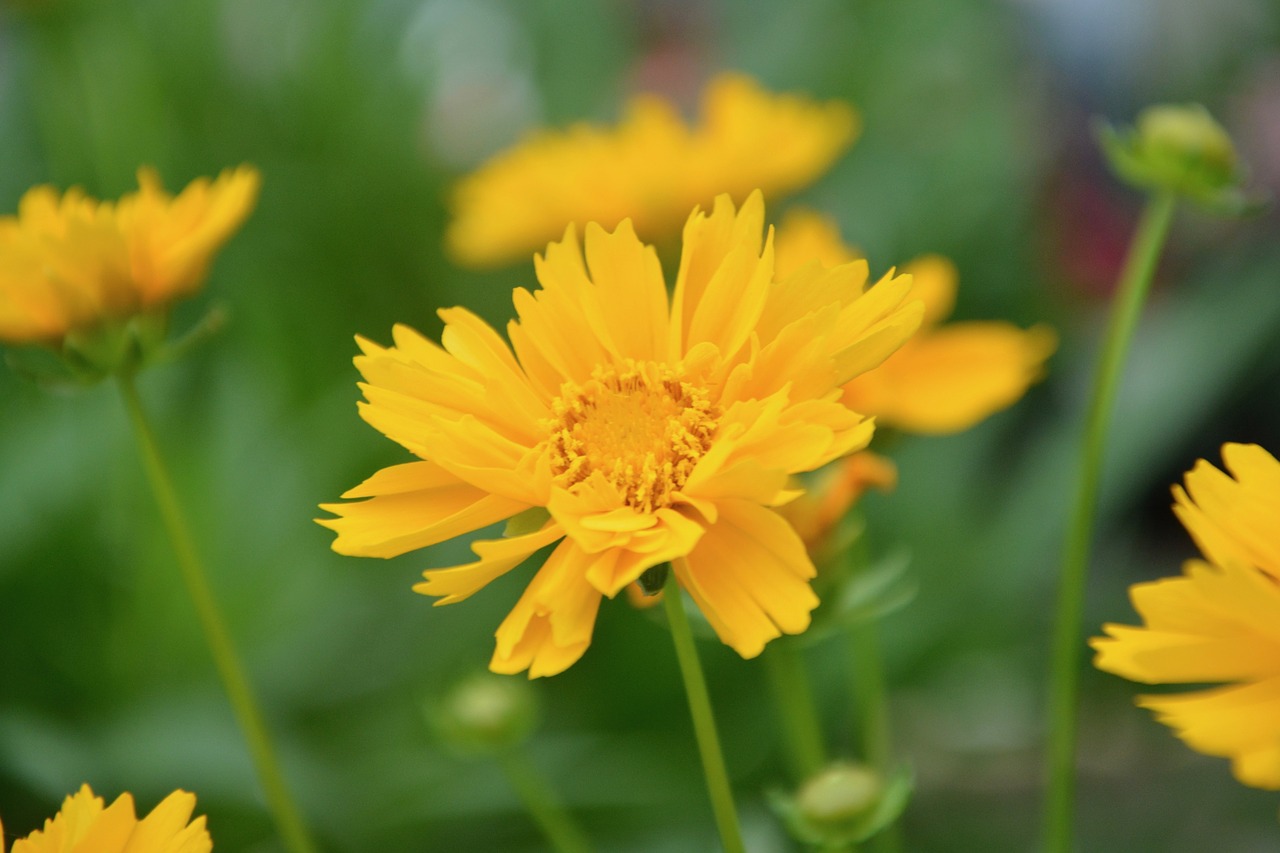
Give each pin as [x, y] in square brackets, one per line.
[1187, 135]
[485, 713]
[846, 803]
[839, 796]
[1179, 149]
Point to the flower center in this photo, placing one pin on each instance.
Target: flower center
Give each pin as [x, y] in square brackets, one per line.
[643, 428]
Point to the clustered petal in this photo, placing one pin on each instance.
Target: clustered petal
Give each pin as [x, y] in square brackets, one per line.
[627, 428]
[1219, 622]
[85, 823]
[69, 262]
[651, 168]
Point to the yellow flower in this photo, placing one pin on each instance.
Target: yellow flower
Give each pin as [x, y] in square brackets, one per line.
[84, 825]
[946, 378]
[651, 168]
[70, 263]
[632, 428]
[1219, 622]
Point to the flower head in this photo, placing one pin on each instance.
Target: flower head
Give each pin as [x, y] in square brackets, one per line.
[628, 429]
[948, 377]
[86, 824]
[651, 168]
[1219, 622]
[71, 264]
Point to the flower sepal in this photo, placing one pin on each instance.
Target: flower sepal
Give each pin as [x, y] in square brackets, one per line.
[845, 803]
[1181, 149]
[88, 356]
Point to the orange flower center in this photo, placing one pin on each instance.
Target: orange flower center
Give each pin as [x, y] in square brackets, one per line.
[642, 428]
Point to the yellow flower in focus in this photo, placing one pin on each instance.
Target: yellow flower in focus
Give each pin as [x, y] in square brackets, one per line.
[69, 263]
[1219, 622]
[948, 377]
[627, 429]
[651, 168]
[85, 825]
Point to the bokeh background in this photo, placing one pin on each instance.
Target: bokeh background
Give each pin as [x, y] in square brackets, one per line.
[360, 116]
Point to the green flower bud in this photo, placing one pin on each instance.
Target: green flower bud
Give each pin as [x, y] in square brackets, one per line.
[846, 803]
[1179, 149]
[839, 796]
[485, 713]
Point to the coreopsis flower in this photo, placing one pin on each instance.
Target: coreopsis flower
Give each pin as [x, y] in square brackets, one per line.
[1217, 623]
[948, 377]
[651, 168]
[627, 429]
[86, 825]
[71, 266]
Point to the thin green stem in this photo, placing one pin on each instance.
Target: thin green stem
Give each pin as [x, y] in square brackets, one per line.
[793, 696]
[1135, 281]
[704, 723]
[870, 702]
[288, 818]
[546, 810]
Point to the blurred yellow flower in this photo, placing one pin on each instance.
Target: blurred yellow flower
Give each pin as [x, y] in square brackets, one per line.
[652, 168]
[631, 428]
[84, 825]
[1219, 622]
[70, 263]
[832, 492]
[948, 377]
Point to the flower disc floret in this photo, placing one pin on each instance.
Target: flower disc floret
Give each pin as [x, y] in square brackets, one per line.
[643, 428]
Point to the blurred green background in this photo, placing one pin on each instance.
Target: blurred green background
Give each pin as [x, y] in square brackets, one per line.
[360, 115]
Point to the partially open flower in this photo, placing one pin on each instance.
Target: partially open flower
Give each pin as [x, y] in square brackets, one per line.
[86, 824]
[97, 277]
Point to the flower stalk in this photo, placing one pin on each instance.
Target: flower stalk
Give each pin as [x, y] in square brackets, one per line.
[797, 710]
[547, 811]
[1135, 282]
[234, 681]
[704, 724]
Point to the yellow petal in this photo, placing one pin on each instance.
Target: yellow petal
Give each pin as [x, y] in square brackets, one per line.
[721, 251]
[934, 280]
[551, 625]
[1211, 625]
[1233, 518]
[630, 296]
[166, 828]
[497, 557]
[1241, 723]
[750, 576]
[411, 506]
[946, 380]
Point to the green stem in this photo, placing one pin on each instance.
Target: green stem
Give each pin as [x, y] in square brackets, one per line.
[287, 817]
[793, 696]
[704, 723]
[542, 805]
[1135, 281]
[871, 712]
